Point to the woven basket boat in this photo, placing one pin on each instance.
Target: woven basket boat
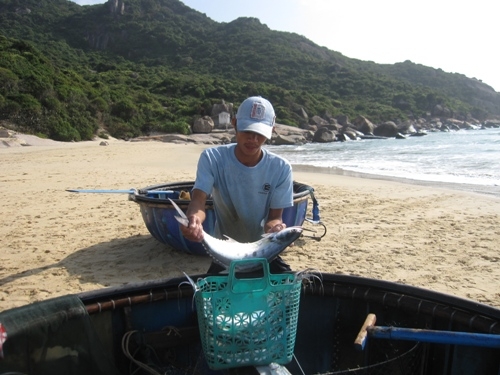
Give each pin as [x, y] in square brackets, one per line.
[158, 213]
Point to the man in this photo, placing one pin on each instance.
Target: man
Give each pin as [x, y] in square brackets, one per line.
[250, 186]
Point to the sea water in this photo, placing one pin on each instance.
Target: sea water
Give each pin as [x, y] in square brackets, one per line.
[465, 158]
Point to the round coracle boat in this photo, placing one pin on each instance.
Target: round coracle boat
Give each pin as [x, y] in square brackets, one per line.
[158, 212]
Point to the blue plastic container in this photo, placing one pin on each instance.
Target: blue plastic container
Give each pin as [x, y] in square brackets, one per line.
[158, 213]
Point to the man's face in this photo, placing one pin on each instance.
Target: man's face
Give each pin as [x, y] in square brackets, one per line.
[250, 142]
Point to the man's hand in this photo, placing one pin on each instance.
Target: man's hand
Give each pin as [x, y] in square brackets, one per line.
[196, 215]
[194, 231]
[276, 228]
[274, 221]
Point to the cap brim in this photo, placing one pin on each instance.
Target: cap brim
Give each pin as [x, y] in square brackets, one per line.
[256, 127]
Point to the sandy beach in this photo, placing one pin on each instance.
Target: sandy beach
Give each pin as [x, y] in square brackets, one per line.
[54, 242]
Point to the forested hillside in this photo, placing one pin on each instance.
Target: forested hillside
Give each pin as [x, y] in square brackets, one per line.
[130, 67]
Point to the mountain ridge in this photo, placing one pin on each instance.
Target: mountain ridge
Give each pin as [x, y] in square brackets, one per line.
[136, 66]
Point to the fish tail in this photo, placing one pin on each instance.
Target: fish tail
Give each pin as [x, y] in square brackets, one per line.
[182, 218]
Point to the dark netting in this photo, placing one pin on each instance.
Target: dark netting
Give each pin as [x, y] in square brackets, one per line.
[146, 355]
[53, 337]
[387, 359]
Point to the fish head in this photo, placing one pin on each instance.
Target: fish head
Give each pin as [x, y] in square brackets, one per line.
[287, 235]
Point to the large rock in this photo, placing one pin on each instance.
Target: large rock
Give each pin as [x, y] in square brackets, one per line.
[387, 129]
[491, 124]
[453, 124]
[351, 133]
[203, 125]
[294, 132]
[324, 135]
[328, 117]
[281, 140]
[342, 137]
[309, 127]
[318, 121]
[343, 120]
[364, 125]
[468, 126]
[407, 127]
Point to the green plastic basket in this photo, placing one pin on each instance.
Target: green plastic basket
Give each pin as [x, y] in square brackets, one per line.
[248, 321]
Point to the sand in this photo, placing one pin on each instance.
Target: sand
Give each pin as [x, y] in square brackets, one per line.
[55, 243]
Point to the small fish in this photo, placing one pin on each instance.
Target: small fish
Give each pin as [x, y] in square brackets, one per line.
[224, 252]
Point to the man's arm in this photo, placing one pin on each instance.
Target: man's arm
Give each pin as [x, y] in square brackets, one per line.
[274, 221]
[196, 215]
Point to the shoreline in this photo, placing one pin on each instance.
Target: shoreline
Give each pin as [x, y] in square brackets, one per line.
[56, 243]
[35, 144]
[471, 188]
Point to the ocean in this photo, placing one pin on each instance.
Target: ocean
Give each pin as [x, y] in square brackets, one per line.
[465, 159]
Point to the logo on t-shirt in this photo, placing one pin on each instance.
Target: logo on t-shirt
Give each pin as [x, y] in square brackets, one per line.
[266, 188]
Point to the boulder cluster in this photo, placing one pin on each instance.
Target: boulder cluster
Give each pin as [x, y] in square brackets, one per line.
[342, 129]
[215, 129]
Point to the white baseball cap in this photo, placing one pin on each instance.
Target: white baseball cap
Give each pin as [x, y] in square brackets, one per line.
[256, 115]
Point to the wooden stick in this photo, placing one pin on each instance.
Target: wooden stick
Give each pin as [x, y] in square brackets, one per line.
[360, 341]
[423, 335]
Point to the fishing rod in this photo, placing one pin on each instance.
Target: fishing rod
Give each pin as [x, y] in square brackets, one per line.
[117, 191]
[423, 335]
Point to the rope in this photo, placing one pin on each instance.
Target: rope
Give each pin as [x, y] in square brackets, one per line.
[125, 345]
[298, 364]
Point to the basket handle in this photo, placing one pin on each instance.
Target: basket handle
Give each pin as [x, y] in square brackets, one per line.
[248, 284]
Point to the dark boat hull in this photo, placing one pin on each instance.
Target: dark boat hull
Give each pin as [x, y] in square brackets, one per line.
[156, 323]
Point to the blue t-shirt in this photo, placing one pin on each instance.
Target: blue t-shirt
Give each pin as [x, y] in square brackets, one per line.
[243, 195]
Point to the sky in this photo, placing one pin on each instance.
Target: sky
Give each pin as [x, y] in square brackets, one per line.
[455, 36]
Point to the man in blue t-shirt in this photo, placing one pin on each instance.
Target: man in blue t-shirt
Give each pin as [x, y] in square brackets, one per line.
[250, 186]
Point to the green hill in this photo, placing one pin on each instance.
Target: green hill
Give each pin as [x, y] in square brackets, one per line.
[131, 67]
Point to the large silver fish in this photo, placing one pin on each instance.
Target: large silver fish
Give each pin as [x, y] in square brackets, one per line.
[224, 252]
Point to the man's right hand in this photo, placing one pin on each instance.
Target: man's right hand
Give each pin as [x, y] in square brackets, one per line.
[196, 215]
[194, 231]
